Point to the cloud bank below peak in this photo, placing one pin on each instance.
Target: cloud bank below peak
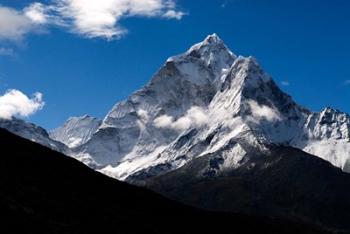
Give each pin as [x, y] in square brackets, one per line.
[89, 18]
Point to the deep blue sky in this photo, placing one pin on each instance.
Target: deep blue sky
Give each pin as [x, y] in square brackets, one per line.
[306, 43]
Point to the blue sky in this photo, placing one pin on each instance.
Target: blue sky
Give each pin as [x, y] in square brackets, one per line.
[303, 45]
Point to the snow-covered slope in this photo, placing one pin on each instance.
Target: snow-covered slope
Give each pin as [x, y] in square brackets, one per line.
[135, 127]
[208, 101]
[76, 130]
[32, 132]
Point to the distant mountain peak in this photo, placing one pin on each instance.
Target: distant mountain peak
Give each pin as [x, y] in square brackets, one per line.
[76, 130]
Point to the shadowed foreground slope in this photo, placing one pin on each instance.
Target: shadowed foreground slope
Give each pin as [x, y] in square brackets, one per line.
[42, 191]
[288, 184]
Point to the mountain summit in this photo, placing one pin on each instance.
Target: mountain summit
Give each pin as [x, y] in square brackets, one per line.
[198, 103]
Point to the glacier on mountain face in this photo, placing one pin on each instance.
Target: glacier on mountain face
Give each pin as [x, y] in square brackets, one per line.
[207, 101]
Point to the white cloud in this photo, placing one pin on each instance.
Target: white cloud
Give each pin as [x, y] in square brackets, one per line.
[264, 112]
[14, 24]
[347, 82]
[172, 14]
[37, 13]
[182, 123]
[195, 117]
[163, 121]
[143, 114]
[15, 103]
[96, 18]
[90, 18]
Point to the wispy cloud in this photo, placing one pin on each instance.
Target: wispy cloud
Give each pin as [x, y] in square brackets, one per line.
[15, 103]
[260, 112]
[194, 117]
[6, 51]
[95, 18]
[90, 18]
[37, 13]
[347, 82]
[172, 14]
[14, 24]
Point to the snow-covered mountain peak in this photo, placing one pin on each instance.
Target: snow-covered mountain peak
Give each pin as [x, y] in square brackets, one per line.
[206, 101]
[213, 38]
[211, 54]
[209, 43]
[187, 80]
[76, 130]
[332, 124]
[329, 115]
[245, 71]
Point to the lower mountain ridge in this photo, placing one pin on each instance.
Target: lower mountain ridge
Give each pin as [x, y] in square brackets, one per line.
[43, 191]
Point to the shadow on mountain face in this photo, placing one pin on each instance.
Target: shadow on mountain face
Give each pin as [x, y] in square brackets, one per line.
[288, 184]
[42, 191]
